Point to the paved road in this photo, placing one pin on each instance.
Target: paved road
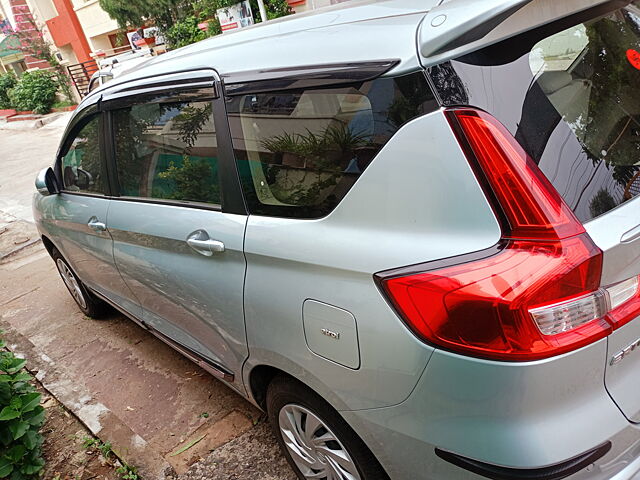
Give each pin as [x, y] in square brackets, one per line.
[126, 386]
[24, 153]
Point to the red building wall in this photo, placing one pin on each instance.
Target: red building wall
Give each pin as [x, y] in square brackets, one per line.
[65, 29]
[25, 25]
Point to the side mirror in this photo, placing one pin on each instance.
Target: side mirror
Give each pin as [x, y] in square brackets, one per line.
[46, 182]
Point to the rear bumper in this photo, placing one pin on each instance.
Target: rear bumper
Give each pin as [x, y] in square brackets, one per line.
[523, 416]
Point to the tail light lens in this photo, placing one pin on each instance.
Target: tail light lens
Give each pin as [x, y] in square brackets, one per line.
[624, 301]
[540, 295]
[530, 301]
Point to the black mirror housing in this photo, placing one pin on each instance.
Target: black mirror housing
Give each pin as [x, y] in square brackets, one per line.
[51, 182]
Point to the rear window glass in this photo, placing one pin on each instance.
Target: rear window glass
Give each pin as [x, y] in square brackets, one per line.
[571, 99]
[300, 151]
[591, 75]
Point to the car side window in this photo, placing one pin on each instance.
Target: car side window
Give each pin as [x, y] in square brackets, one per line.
[82, 165]
[167, 151]
[300, 151]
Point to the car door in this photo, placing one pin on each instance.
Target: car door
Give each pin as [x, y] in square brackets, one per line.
[77, 217]
[177, 241]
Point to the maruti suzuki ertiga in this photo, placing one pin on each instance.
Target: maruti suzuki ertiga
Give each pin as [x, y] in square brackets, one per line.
[409, 230]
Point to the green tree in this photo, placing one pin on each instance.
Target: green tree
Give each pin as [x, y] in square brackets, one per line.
[134, 13]
[7, 82]
[185, 32]
[35, 91]
[178, 19]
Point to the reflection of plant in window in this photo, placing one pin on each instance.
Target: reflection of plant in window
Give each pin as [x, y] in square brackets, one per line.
[410, 103]
[601, 203]
[611, 131]
[318, 147]
[308, 164]
[190, 122]
[194, 181]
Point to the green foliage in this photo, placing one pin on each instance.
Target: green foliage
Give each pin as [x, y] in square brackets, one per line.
[185, 32]
[193, 181]
[127, 472]
[21, 417]
[135, 13]
[35, 91]
[178, 19]
[274, 8]
[90, 443]
[319, 158]
[317, 146]
[124, 471]
[41, 49]
[7, 82]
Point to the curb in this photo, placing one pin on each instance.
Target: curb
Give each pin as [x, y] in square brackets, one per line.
[102, 422]
[20, 124]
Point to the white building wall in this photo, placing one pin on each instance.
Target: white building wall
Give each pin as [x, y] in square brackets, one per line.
[96, 23]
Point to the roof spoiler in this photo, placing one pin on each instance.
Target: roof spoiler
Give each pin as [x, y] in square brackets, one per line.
[458, 27]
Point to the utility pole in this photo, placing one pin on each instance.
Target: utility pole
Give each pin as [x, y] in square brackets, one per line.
[263, 11]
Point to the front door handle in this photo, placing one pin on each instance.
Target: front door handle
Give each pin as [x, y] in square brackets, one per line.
[201, 243]
[95, 225]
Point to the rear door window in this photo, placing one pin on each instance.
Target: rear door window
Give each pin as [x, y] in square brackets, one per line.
[167, 151]
[571, 99]
[300, 151]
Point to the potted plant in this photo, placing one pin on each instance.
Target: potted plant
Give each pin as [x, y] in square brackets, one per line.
[146, 38]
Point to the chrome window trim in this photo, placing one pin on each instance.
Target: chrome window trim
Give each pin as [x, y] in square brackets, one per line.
[173, 203]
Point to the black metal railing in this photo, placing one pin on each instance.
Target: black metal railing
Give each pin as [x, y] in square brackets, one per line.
[81, 73]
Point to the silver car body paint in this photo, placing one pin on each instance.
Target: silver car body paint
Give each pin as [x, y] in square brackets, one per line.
[379, 228]
[194, 299]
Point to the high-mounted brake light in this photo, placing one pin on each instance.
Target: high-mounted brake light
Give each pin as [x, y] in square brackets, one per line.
[538, 297]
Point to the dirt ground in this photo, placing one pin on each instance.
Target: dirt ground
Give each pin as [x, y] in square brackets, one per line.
[64, 447]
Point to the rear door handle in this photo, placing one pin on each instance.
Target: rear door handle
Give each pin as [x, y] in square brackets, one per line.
[95, 225]
[201, 243]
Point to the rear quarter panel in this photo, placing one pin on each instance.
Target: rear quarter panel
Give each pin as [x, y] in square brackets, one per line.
[418, 201]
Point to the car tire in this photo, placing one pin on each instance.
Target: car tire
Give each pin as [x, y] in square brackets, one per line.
[314, 437]
[90, 305]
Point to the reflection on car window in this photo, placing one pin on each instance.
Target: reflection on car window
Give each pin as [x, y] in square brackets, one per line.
[300, 151]
[82, 168]
[588, 74]
[167, 151]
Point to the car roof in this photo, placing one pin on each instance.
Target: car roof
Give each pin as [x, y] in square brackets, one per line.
[352, 32]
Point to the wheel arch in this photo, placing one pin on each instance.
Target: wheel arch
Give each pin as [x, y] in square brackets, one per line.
[259, 374]
[48, 244]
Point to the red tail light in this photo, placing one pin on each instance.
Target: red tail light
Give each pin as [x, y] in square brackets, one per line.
[539, 296]
[533, 208]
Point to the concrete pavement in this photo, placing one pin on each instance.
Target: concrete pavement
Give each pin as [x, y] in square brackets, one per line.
[129, 388]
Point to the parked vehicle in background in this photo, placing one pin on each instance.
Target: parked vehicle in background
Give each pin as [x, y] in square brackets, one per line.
[116, 65]
[421, 263]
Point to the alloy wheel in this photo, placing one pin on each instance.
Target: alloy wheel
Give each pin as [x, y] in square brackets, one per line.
[314, 448]
[71, 282]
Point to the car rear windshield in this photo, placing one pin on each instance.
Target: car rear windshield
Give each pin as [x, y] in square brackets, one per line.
[570, 97]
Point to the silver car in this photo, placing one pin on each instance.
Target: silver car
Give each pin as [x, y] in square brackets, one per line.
[408, 230]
